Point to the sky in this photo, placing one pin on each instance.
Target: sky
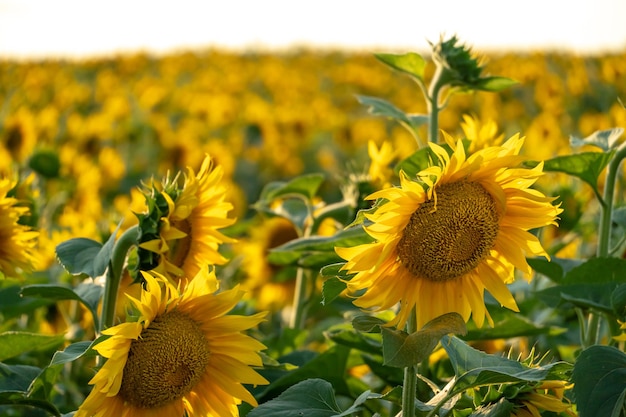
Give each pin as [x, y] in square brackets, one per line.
[84, 28]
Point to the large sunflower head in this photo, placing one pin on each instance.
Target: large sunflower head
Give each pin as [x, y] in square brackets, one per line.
[455, 230]
[183, 355]
[17, 251]
[179, 234]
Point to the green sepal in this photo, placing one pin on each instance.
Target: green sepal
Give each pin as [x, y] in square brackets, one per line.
[410, 63]
[401, 349]
[599, 382]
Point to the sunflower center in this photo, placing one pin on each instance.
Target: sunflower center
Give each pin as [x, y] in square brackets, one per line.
[445, 240]
[179, 249]
[166, 362]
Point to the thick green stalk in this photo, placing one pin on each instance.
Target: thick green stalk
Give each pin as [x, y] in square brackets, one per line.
[604, 234]
[606, 216]
[300, 299]
[433, 104]
[409, 386]
[114, 275]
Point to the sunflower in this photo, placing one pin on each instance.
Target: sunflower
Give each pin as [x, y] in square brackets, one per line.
[548, 396]
[459, 228]
[186, 238]
[17, 251]
[183, 355]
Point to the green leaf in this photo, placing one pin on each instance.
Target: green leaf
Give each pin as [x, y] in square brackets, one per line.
[17, 378]
[331, 289]
[368, 324]
[511, 325]
[86, 256]
[603, 139]
[410, 63]
[87, 293]
[364, 342]
[585, 165]
[14, 343]
[401, 349]
[381, 107]
[304, 186]
[554, 269]
[311, 398]
[416, 162]
[589, 285]
[502, 408]
[329, 365]
[493, 84]
[618, 300]
[296, 251]
[43, 385]
[12, 304]
[474, 368]
[77, 255]
[22, 400]
[600, 381]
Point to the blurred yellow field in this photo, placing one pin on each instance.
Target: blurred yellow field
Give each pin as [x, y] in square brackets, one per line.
[175, 175]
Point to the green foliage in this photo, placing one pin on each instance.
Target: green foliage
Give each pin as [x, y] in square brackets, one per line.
[312, 398]
[410, 63]
[585, 165]
[46, 163]
[317, 251]
[604, 139]
[15, 343]
[588, 285]
[86, 256]
[87, 293]
[401, 349]
[599, 382]
[474, 368]
[381, 107]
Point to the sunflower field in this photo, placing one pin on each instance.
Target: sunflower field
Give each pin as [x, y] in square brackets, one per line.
[314, 233]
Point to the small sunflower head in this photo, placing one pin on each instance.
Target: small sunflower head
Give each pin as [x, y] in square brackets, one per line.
[178, 233]
[460, 67]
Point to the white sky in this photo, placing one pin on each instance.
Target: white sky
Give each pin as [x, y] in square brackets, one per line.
[75, 28]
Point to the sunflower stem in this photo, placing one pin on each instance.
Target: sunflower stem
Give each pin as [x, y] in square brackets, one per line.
[409, 386]
[299, 301]
[114, 275]
[432, 99]
[604, 234]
